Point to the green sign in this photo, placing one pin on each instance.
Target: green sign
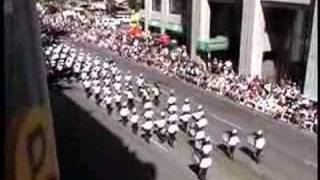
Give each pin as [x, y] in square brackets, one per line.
[155, 23]
[174, 27]
[220, 43]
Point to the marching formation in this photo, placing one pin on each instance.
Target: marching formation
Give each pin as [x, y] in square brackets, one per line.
[283, 101]
[133, 101]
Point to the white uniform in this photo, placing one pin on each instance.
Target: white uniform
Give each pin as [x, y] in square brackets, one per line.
[108, 99]
[200, 135]
[186, 108]
[117, 98]
[173, 118]
[260, 143]
[148, 125]
[96, 89]
[134, 118]
[128, 78]
[140, 82]
[202, 123]
[124, 112]
[173, 108]
[118, 78]
[117, 86]
[87, 84]
[205, 163]
[130, 95]
[185, 117]
[172, 100]
[160, 123]
[173, 128]
[147, 105]
[207, 148]
[233, 140]
[198, 114]
[149, 114]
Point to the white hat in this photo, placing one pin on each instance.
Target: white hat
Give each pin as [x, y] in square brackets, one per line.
[234, 131]
[186, 100]
[171, 91]
[162, 114]
[134, 110]
[260, 132]
[200, 107]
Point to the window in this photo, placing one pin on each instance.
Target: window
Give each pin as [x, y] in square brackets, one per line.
[156, 5]
[142, 4]
[175, 6]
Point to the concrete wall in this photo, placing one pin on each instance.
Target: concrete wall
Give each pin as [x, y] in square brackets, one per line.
[200, 28]
[311, 81]
[254, 40]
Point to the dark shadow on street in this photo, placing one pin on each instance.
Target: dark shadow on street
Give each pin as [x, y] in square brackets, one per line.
[194, 168]
[247, 151]
[88, 151]
[223, 148]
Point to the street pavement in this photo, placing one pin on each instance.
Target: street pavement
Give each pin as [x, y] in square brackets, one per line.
[93, 145]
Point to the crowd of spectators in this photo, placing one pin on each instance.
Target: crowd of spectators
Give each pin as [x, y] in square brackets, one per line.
[282, 101]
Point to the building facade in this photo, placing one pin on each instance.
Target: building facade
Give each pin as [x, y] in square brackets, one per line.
[273, 39]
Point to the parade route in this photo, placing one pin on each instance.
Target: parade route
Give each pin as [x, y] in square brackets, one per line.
[289, 154]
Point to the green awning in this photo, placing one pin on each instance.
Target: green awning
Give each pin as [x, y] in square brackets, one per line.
[155, 23]
[174, 27]
[220, 43]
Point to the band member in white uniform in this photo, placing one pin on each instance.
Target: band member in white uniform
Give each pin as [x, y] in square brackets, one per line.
[128, 77]
[118, 98]
[259, 144]
[160, 126]
[108, 99]
[134, 121]
[185, 116]
[130, 97]
[205, 163]
[156, 94]
[172, 99]
[147, 126]
[124, 114]
[140, 83]
[199, 113]
[233, 141]
[172, 127]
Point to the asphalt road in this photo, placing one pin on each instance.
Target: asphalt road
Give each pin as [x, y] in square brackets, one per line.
[93, 145]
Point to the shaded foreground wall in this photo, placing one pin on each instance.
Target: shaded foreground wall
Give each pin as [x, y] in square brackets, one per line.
[30, 152]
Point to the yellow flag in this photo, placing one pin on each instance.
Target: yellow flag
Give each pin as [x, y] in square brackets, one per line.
[134, 19]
